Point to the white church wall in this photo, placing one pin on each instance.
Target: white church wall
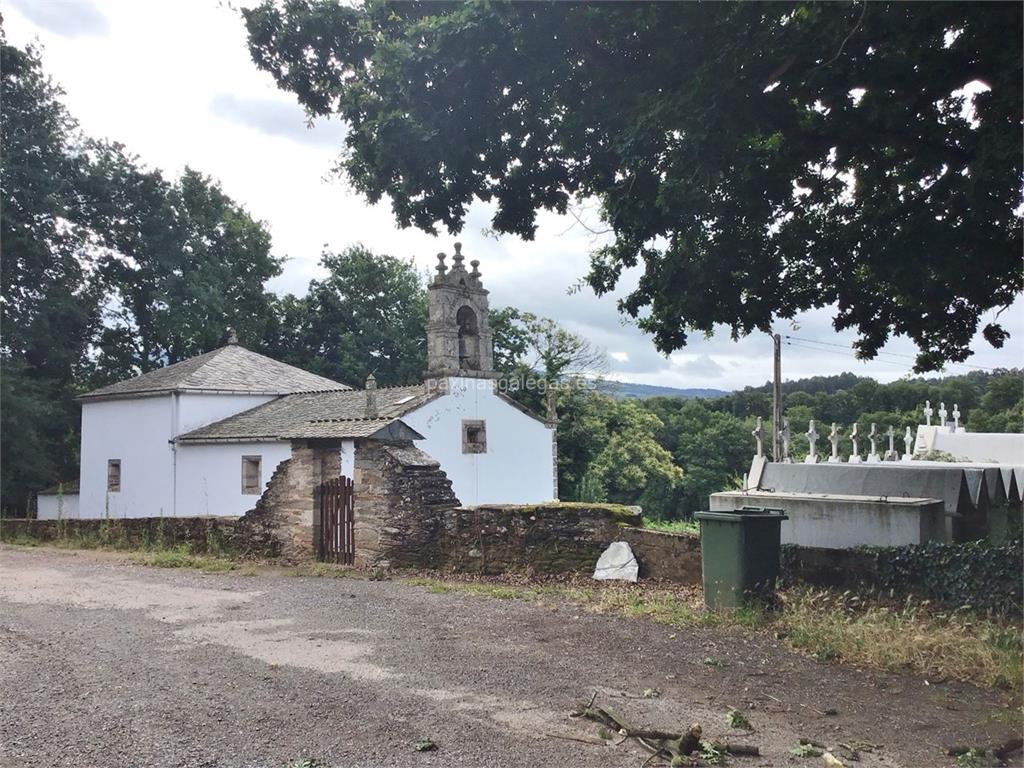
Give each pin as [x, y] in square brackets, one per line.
[208, 478]
[199, 409]
[137, 432]
[517, 467]
[55, 506]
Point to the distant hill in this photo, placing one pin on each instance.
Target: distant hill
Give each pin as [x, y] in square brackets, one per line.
[626, 390]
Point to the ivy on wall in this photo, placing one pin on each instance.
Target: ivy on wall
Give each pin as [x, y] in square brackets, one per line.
[977, 575]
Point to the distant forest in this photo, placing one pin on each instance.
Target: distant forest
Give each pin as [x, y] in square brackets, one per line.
[680, 450]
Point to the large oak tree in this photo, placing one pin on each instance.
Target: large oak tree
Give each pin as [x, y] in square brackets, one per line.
[756, 159]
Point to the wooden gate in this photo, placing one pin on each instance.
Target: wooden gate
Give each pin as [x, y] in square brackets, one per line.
[337, 542]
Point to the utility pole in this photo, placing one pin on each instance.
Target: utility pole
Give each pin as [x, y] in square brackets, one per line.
[777, 398]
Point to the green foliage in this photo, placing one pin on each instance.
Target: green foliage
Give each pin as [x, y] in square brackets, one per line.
[710, 754]
[736, 719]
[368, 315]
[424, 744]
[975, 574]
[978, 575]
[673, 526]
[805, 750]
[757, 159]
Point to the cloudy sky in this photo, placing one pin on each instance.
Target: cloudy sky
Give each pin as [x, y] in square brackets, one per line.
[172, 80]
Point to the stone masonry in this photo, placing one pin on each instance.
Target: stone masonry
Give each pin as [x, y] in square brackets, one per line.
[401, 496]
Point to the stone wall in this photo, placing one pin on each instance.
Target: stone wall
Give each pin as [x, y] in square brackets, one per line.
[401, 498]
[539, 538]
[211, 535]
[669, 556]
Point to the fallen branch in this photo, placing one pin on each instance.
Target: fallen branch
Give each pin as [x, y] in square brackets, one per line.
[668, 744]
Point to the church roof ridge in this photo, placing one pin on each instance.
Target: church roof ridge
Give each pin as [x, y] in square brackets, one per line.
[229, 368]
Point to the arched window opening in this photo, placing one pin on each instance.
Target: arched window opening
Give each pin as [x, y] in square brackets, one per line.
[469, 339]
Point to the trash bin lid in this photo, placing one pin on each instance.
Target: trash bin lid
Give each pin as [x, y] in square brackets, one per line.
[744, 514]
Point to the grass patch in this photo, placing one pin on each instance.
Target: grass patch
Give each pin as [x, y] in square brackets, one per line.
[673, 526]
[181, 557]
[907, 637]
[832, 627]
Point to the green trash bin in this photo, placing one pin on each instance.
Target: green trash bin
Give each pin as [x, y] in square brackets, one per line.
[739, 553]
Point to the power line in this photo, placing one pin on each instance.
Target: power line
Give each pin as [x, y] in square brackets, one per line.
[851, 353]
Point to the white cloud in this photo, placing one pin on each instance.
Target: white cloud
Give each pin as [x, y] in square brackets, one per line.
[173, 80]
[67, 18]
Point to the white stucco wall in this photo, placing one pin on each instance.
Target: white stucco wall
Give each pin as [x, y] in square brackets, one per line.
[209, 476]
[52, 506]
[518, 465]
[199, 409]
[137, 431]
[994, 447]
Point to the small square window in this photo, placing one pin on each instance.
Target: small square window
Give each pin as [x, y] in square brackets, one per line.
[251, 474]
[474, 436]
[113, 475]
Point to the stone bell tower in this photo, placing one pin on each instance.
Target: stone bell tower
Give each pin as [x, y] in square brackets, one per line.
[458, 333]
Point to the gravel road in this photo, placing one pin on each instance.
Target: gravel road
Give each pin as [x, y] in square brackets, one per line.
[108, 664]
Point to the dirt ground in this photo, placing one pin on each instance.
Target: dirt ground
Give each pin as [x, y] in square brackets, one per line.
[104, 663]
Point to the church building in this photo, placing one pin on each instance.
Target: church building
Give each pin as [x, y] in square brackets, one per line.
[204, 436]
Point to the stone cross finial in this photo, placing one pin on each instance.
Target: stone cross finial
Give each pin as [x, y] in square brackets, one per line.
[873, 441]
[891, 454]
[956, 417]
[812, 438]
[908, 445]
[833, 437]
[785, 433]
[458, 258]
[441, 268]
[854, 434]
[758, 434]
[371, 397]
[232, 337]
[928, 413]
[942, 414]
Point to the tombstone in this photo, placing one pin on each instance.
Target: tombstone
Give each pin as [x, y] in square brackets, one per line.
[891, 454]
[758, 434]
[812, 438]
[833, 437]
[942, 414]
[873, 435]
[785, 434]
[928, 413]
[908, 446]
[956, 418]
[855, 456]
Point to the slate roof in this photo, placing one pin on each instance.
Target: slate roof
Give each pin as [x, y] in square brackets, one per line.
[231, 368]
[310, 414]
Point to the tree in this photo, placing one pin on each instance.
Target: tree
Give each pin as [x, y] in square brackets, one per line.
[183, 263]
[50, 305]
[633, 468]
[539, 358]
[756, 159]
[368, 315]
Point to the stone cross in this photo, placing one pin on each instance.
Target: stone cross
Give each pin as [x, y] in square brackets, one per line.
[758, 434]
[854, 434]
[812, 438]
[873, 441]
[928, 413]
[942, 414]
[908, 445]
[833, 437]
[891, 454]
[785, 433]
[956, 417]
